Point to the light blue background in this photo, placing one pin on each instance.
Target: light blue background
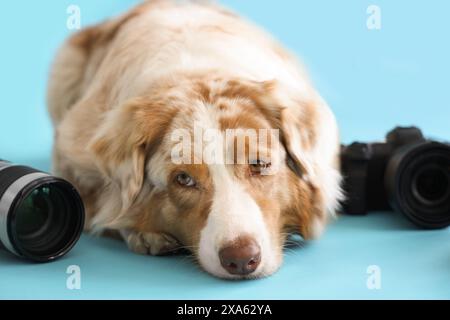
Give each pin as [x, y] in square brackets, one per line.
[373, 80]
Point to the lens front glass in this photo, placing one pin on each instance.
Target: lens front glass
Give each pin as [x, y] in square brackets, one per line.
[34, 212]
[431, 184]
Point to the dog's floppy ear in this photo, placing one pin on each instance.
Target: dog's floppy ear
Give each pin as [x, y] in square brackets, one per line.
[295, 118]
[309, 134]
[297, 136]
[125, 140]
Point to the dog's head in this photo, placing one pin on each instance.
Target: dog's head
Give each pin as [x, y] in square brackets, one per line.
[227, 167]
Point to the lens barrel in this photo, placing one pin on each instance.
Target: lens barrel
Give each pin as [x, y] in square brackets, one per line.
[41, 216]
[417, 182]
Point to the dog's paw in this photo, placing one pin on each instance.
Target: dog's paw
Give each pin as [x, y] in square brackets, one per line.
[151, 243]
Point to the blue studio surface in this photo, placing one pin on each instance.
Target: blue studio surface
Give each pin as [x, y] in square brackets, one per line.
[373, 80]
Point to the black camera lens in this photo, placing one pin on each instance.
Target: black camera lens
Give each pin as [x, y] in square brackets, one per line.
[41, 217]
[418, 183]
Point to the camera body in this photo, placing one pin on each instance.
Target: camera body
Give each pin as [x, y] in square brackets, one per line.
[407, 173]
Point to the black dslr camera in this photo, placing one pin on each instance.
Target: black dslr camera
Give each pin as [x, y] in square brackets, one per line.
[407, 173]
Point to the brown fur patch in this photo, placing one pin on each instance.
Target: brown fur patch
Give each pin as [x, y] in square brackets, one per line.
[141, 124]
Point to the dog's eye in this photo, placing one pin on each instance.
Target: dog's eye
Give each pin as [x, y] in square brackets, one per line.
[185, 180]
[259, 167]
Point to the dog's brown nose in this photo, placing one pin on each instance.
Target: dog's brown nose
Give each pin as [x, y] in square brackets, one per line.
[242, 257]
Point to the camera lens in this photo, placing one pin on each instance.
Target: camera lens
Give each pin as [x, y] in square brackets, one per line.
[418, 183]
[41, 217]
